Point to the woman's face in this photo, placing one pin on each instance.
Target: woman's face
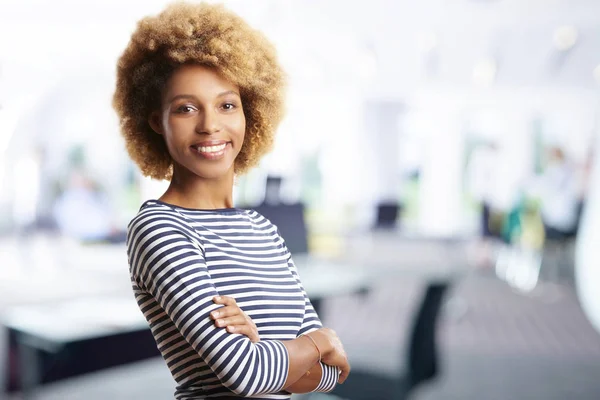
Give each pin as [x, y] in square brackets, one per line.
[202, 121]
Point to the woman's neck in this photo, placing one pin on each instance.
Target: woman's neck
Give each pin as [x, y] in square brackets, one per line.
[195, 192]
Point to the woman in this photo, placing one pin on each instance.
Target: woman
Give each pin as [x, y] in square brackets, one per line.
[199, 96]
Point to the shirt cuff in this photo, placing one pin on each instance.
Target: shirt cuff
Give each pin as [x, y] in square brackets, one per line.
[329, 378]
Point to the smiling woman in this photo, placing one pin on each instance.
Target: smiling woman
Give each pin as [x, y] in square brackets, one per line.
[202, 35]
[202, 122]
[199, 96]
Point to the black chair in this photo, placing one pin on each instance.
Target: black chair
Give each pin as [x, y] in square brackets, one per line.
[289, 219]
[421, 364]
[387, 215]
[273, 189]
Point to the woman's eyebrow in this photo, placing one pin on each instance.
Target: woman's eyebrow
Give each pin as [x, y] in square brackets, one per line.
[182, 96]
[192, 97]
[228, 92]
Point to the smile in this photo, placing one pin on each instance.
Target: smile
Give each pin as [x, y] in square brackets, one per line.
[212, 151]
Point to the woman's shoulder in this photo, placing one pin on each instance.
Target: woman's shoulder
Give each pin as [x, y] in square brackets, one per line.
[152, 212]
[154, 221]
[156, 208]
[157, 213]
[260, 219]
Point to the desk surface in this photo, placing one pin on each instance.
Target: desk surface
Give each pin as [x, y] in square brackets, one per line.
[325, 278]
[388, 254]
[79, 319]
[86, 318]
[368, 259]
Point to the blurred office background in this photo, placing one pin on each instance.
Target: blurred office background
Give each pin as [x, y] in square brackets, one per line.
[448, 141]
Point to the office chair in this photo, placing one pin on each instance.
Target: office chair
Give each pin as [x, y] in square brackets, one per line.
[289, 219]
[421, 363]
[387, 215]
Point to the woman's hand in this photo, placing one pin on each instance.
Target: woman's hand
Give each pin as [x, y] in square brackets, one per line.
[234, 319]
[332, 351]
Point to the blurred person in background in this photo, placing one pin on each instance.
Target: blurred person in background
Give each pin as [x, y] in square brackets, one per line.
[83, 212]
[519, 260]
[559, 189]
[199, 96]
[509, 234]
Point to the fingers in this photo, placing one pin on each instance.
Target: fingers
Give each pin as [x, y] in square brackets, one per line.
[235, 320]
[231, 317]
[226, 300]
[345, 372]
[227, 311]
[244, 330]
[230, 307]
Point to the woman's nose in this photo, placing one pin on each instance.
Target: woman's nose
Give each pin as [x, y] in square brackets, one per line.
[208, 123]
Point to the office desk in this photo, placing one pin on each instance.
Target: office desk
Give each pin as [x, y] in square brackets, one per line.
[324, 278]
[85, 335]
[93, 333]
[56, 325]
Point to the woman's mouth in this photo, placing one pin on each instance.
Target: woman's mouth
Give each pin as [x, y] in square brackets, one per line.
[211, 151]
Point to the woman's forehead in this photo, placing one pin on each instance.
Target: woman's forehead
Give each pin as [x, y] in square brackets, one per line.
[199, 80]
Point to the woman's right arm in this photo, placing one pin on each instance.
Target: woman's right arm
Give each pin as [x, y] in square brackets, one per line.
[165, 262]
[319, 377]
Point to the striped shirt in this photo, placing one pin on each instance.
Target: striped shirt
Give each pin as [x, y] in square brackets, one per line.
[181, 258]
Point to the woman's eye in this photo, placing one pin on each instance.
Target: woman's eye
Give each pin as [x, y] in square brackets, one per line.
[185, 109]
[228, 106]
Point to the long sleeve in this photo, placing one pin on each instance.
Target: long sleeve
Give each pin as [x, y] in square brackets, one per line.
[167, 261]
[310, 323]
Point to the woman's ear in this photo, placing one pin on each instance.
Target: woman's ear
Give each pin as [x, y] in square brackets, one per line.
[155, 122]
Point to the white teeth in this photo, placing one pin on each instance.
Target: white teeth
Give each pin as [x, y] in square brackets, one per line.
[211, 149]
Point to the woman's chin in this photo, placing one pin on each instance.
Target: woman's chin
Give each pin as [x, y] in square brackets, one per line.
[215, 172]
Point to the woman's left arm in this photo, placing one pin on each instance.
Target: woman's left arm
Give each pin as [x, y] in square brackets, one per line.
[321, 377]
[231, 317]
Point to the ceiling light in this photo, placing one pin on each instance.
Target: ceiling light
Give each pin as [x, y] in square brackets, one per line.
[565, 37]
[484, 72]
[368, 65]
[427, 41]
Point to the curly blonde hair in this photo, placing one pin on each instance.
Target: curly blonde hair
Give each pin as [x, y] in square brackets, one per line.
[203, 34]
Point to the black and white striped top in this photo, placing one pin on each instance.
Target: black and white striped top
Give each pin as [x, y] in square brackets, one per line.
[180, 259]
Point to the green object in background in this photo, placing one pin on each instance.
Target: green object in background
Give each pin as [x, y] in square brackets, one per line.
[511, 228]
[311, 180]
[523, 225]
[77, 157]
[538, 146]
[410, 199]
